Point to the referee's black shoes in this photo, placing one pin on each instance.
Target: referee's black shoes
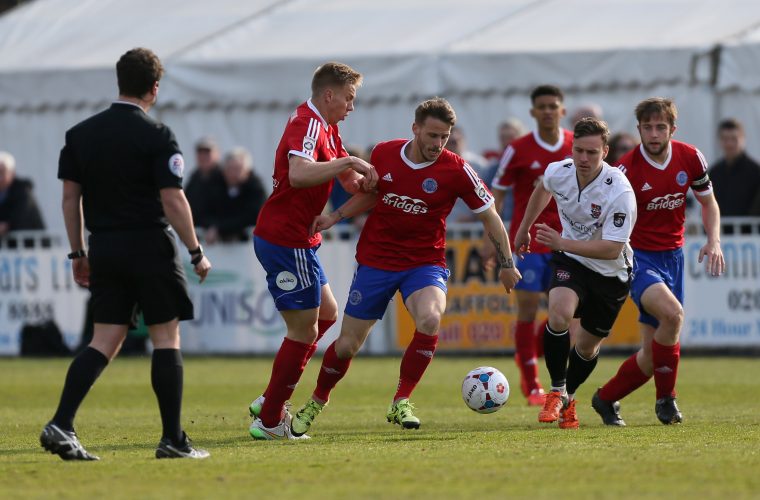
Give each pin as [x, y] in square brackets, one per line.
[608, 410]
[64, 443]
[167, 449]
[667, 411]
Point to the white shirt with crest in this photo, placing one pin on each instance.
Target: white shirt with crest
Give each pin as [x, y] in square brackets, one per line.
[603, 210]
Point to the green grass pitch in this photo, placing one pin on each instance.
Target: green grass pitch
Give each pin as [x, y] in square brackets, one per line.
[355, 453]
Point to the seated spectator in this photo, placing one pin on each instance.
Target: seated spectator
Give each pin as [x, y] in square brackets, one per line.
[206, 181]
[736, 176]
[457, 143]
[18, 207]
[235, 210]
[620, 144]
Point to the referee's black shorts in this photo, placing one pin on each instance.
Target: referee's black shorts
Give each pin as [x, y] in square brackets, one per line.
[600, 297]
[137, 270]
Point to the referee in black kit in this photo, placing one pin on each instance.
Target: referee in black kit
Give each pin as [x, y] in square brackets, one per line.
[124, 169]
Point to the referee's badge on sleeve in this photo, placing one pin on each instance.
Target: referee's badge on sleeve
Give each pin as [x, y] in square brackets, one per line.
[177, 164]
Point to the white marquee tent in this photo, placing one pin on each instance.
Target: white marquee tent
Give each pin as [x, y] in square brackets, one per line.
[236, 69]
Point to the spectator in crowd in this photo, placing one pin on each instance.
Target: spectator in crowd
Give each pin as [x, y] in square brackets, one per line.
[235, 208]
[620, 144]
[586, 110]
[18, 208]
[206, 182]
[509, 130]
[458, 145]
[736, 176]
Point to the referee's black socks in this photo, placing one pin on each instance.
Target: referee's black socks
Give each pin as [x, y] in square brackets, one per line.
[83, 372]
[166, 375]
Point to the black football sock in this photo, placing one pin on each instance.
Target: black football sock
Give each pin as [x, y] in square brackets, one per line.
[83, 372]
[578, 370]
[166, 375]
[556, 352]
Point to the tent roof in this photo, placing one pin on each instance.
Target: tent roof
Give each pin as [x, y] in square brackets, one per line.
[59, 53]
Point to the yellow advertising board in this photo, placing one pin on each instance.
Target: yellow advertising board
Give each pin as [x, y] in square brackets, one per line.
[480, 315]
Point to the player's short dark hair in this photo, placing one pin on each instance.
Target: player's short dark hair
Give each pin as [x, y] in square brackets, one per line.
[546, 90]
[137, 71]
[438, 108]
[334, 74]
[592, 126]
[654, 106]
[730, 124]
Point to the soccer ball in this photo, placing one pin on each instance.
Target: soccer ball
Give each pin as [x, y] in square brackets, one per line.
[485, 389]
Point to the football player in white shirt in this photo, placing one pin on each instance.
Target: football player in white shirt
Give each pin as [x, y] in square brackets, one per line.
[591, 260]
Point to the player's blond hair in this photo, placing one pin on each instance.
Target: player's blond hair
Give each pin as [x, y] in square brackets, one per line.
[438, 108]
[592, 126]
[334, 74]
[657, 106]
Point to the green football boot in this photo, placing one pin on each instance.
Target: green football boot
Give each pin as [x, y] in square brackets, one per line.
[303, 419]
[401, 413]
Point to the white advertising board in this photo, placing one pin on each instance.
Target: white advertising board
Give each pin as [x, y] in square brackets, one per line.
[723, 311]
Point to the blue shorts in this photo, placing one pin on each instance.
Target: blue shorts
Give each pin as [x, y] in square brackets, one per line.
[650, 268]
[294, 275]
[536, 270]
[373, 288]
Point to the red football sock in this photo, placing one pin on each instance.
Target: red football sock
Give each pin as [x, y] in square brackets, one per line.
[286, 372]
[525, 344]
[540, 339]
[332, 371]
[322, 326]
[416, 359]
[628, 378]
[665, 360]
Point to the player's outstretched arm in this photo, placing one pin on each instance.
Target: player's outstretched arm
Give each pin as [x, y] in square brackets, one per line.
[357, 204]
[495, 232]
[487, 250]
[303, 173]
[536, 204]
[594, 249]
[716, 264]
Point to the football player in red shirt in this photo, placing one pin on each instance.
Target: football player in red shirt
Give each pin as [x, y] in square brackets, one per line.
[309, 156]
[401, 248]
[661, 170]
[522, 165]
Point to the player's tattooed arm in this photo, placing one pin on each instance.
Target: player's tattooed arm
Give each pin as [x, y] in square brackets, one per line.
[504, 261]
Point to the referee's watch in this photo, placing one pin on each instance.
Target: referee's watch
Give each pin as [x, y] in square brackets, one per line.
[77, 255]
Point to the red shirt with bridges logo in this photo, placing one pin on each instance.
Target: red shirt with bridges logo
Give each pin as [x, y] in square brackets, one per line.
[407, 226]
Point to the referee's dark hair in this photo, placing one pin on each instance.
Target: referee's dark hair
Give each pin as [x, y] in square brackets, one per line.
[592, 126]
[137, 71]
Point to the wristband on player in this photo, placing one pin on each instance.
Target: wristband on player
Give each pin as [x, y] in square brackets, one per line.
[77, 254]
[340, 214]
